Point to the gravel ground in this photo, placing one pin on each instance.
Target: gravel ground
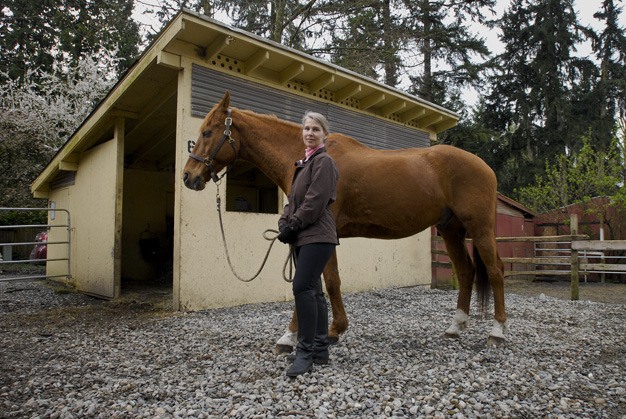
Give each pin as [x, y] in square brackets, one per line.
[66, 355]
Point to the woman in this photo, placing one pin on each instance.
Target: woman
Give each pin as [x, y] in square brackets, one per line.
[308, 224]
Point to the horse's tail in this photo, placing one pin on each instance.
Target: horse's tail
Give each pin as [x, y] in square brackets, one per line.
[481, 280]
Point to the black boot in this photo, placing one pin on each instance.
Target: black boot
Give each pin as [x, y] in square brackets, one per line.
[320, 344]
[321, 355]
[306, 310]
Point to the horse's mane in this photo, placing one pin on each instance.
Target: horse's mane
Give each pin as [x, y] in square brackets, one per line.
[266, 116]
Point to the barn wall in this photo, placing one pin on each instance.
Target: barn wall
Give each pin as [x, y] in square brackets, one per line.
[202, 277]
[91, 202]
[208, 87]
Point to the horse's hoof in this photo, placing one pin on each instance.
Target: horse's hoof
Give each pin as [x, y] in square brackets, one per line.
[494, 341]
[333, 340]
[283, 349]
[452, 335]
[496, 336]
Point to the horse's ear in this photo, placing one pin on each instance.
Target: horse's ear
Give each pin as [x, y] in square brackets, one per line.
[225, 102]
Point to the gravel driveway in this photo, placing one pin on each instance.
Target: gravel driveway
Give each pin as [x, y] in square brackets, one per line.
[66, 355]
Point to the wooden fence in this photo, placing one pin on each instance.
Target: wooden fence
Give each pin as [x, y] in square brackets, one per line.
[568, 255]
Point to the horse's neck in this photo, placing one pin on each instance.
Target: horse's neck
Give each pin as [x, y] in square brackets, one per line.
[271, 145]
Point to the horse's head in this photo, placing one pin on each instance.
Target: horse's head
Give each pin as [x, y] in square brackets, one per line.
[214, 149]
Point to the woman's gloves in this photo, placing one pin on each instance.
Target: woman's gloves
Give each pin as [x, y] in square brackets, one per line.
[287, 234]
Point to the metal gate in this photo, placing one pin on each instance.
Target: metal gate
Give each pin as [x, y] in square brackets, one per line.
[8, 246]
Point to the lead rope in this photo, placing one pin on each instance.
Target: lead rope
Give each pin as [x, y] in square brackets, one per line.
[290, 257]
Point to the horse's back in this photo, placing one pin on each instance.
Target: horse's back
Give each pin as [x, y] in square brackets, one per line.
[448, 161]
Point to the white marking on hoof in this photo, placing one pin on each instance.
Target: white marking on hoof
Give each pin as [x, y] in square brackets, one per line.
[459, 323]
[496, 336]
[288, 339]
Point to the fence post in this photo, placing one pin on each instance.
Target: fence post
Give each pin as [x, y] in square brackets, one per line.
[575, 266]
[7, 253]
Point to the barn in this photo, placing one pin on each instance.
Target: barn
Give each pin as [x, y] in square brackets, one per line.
[119, 175]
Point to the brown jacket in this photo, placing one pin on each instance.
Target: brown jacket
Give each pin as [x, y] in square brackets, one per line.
[313, 189]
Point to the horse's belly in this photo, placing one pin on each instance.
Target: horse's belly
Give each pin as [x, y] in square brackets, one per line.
[386, 228]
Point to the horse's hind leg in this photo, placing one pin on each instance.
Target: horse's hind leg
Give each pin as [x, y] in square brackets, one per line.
[333, 287]
[453, 234]
[492, 270]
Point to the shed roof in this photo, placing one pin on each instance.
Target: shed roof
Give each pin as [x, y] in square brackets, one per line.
[526, 212]
[145, 96]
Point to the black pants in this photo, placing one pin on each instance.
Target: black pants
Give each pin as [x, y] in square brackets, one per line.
[310, 262]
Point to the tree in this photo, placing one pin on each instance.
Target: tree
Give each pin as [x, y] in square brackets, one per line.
[27, 38]
[283, 21]
[40, 111]
[530, 101]
[166, 9]
[365, 37]
[426, 44]
[447, 47]
[36, 33]
[610, 50]
[577, 178]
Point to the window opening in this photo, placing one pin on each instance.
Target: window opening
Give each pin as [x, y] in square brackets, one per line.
[249, 190]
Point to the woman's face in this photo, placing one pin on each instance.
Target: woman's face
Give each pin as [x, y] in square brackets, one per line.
[312, 133]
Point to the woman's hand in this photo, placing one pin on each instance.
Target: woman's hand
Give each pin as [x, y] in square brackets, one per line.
[287, 235]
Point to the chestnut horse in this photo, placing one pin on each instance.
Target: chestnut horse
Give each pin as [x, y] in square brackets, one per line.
[384, 194]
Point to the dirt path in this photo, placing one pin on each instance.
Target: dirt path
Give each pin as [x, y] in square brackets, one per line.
[603, 293]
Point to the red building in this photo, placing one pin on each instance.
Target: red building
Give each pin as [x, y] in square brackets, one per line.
[598, 218]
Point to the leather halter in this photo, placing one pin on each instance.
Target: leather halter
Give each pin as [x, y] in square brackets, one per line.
[208, 161]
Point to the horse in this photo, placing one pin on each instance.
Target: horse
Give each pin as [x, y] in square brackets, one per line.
[384, 194]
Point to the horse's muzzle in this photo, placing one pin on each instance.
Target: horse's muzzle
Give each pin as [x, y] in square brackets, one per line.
[195, 183]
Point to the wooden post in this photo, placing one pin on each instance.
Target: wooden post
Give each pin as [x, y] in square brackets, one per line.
[575, 274]
[602, 260]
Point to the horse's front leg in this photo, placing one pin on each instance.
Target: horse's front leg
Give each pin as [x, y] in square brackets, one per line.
[288, 341]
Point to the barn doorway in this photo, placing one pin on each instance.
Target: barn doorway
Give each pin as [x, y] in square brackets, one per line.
[147, 229]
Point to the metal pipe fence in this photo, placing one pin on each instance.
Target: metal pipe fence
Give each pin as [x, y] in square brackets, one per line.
[8, 246]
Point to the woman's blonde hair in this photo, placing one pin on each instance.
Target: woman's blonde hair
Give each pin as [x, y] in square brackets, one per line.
[319, 118]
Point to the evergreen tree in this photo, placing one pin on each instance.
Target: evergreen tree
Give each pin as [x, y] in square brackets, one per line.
[366, 37]
[167, 9]
[35, 33]
[283, 21]
[530, 101]
[28, 39]
[610, 50]
[440, 31]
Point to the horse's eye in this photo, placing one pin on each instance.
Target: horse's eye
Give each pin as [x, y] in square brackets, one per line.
[206, 134]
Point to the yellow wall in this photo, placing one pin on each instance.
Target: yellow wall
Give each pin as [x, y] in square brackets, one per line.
[91, 201]
[202, 277]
